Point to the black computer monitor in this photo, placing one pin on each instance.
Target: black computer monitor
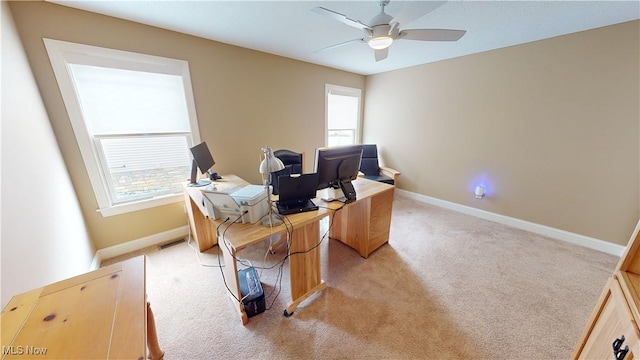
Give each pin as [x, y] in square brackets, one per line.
[337, 166]
[203, 160]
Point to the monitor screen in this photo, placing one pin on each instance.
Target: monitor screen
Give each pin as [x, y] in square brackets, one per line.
[202, 156]
[203, 160]
[337, 166]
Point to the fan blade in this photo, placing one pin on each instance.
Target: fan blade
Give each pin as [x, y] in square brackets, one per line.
[382, 54]
[342, 18]
[431, 34]
[409, 11]
[342, 43]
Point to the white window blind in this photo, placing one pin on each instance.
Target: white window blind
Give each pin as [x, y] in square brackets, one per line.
[117, 101]
[137, 153]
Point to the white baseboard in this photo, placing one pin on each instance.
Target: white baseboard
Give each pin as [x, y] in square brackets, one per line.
[138, 244]
[589, 242]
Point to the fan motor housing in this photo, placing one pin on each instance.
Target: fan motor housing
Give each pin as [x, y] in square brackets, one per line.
[381, 19]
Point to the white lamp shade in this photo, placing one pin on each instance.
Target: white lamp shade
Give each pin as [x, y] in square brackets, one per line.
[274, 164]
[270, 163]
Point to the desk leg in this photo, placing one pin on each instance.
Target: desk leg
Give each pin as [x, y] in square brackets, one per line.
[231, 277]
[155, 352]
[365, 224]
[304, 266]
[202, 229]
[351, 226]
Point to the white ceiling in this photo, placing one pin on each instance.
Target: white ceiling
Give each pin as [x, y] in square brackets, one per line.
[291, 29]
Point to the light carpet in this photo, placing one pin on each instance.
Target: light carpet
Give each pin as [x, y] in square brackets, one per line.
[447, 285]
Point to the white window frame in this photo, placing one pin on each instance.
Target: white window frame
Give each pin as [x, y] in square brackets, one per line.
[61, 53]
[345, 91]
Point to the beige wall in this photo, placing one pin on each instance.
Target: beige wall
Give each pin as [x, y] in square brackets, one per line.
[551, 128]
[43, 237]
[244, 100]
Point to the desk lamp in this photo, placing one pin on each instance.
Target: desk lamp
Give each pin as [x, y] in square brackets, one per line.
[269, 164]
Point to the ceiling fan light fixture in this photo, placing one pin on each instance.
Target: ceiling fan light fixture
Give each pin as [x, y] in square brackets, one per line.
[380, 42]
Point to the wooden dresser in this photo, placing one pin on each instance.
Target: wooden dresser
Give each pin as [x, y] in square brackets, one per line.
[612, 331]
[102, 314]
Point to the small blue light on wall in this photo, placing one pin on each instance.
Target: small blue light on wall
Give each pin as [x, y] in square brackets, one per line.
[481, 185]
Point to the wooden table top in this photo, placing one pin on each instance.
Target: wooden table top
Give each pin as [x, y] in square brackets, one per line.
[242, 235]
[97, 315]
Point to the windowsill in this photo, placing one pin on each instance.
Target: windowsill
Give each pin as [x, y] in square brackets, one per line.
[141, 205]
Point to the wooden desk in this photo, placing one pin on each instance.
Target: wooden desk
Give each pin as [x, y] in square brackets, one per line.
[304, 268]
[362, 225]
[99, 315]
[304, 264]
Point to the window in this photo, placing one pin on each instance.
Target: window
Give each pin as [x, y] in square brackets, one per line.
[343, 115]
[133, 116]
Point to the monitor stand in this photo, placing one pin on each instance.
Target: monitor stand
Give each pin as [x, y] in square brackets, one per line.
[201, 182]
[194, 174]
[348, 190]
[345, 171]
[345, 192]
[332, 194]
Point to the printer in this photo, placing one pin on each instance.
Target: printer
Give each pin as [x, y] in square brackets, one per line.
[251, 199]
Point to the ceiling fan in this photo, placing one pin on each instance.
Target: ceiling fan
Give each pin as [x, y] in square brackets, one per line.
[382, 31]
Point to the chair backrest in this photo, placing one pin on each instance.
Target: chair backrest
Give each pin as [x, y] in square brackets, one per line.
[369, 164]
[292, 158]
[292, 165]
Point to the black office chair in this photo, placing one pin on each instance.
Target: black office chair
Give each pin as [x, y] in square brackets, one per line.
[292, 165]
[371, 169]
